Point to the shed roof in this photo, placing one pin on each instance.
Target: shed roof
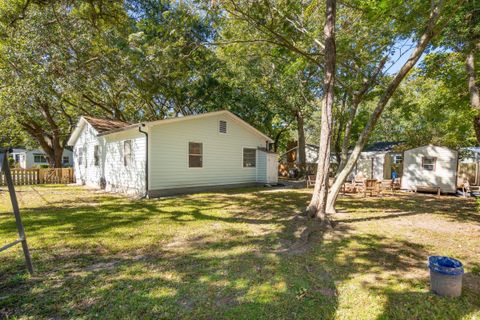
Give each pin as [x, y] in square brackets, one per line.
[382, 146]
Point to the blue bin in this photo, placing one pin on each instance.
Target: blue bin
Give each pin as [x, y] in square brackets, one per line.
[445, 276]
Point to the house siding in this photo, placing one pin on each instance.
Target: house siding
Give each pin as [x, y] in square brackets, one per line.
[118, 177]
[262, 166]
[222, 153]
[444, 175]
[87, 173]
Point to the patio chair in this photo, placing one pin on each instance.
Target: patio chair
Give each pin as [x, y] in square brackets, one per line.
[386, 186]
[311, 178]
[370, 186]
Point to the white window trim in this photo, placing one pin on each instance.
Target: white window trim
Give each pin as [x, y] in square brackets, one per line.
[188, 155]
[124, 154]
[39, 155]
[434, 163]
[97, 146]
[256, 157]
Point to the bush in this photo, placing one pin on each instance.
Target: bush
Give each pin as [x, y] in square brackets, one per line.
[11, 162]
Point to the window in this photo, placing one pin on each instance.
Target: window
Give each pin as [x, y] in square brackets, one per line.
[249, 157]
[39, 158]
[96, 155]
[397, 159]
[222, 126]
[66, 160]
[429, 163]
[195, 155]
[80, 156]
[127, 152]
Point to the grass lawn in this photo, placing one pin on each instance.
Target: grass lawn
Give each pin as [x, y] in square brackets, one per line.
[242, 254]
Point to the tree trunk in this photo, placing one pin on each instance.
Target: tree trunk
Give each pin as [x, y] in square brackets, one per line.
[302, 162]
[51, 143]
[363, 138]
[346, 137]
[317, 205]
[356, 99]
[473, 89]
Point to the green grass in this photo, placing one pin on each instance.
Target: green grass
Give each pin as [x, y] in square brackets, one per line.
[234, 255]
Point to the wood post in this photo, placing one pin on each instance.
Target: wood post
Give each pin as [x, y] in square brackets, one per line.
[5, 170]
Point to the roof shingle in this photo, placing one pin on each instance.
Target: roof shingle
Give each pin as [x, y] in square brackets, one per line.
[104, 125]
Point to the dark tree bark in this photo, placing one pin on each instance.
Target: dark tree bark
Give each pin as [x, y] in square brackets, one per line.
[473, 88]
[317, 205]
[301, 143]
[431, 30]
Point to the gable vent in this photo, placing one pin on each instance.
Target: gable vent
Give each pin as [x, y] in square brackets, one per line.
[222, 126]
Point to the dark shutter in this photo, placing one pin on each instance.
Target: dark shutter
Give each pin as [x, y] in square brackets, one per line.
[222, 126]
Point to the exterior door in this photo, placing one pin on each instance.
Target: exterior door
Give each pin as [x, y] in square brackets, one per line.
[272, 168]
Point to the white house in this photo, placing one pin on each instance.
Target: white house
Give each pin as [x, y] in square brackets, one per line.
[27, 159]
[172, 156]
[430, 167]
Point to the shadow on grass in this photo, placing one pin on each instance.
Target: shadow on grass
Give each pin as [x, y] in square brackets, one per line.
[239, 271]
[454, 208]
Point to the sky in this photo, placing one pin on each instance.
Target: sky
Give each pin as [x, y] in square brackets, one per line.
[402, 53]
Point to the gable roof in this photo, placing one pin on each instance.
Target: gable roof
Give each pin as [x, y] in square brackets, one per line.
[105, 127]
[98, 124]
[239, 120]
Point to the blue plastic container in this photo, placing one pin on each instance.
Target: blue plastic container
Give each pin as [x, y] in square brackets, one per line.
[445, 276]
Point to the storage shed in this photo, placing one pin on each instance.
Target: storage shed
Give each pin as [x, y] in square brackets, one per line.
[378, 160]
[430, 167]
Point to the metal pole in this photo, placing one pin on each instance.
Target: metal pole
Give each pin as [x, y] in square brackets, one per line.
[16, 212]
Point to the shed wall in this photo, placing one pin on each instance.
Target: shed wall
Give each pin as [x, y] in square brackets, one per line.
[444, 175]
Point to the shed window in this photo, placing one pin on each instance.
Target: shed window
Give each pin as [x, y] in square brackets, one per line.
[195, 155]
[397, 159]
[96, 155]
[249, 157]
[429, 163]
[39, 158]
[66, 160]
[127, 153]
[222, 126]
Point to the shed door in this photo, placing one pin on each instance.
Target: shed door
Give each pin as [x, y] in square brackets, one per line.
[272, 168]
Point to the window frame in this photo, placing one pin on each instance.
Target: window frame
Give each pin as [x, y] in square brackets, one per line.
[394, 160]
[65, 157]
[127, 158]
[195, 155]
[39, 155]
[96, 155]
[243, 157]
[434, 164]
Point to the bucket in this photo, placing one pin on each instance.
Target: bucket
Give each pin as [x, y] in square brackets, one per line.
[445, 276]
